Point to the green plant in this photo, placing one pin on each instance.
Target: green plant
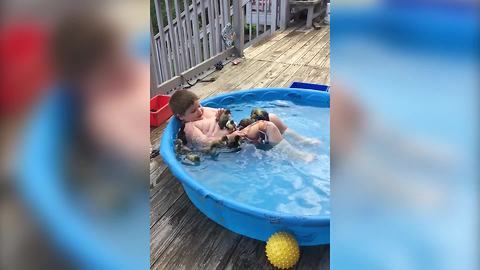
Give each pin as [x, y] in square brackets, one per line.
[246, 28]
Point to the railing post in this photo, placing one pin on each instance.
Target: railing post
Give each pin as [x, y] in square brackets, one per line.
[273, 16]
[238, 25]
[155, 74]
[284, 14]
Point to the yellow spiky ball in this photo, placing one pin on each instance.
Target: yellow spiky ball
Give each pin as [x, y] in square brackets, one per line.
[282, 250]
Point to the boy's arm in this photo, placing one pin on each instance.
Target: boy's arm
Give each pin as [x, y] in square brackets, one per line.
[196, 136]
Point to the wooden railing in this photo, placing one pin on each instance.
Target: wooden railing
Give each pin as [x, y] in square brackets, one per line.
[191, 42]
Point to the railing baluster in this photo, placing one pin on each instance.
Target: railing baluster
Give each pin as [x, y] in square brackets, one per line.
[158, 66]
[211, 15]
[217, 26]
[204, 30]
[273, 15]
[164, 64]
[156, 78]
[284, 14]
[265, 13]
[170, 55]
[188, 24]
[222, 25]
[249, 11]
[258, 16]
[185, 45]
[173, 34]
[182, 43]
[196, 33]
[226, 12]
[211, 27]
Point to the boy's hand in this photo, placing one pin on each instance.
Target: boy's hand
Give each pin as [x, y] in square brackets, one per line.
[232, 135]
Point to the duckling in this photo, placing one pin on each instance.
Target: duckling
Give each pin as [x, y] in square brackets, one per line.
[212, 148]
[258, 114]
[245, 122]
[226, 122]
[237, 141]
[180, 148]
[231, 126]
[218, 143]
[222, 145]
[194, 158]
[187, 153]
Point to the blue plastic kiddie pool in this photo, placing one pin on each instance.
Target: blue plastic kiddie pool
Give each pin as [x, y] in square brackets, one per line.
[108, 242]
[240, 217]
[95, 242]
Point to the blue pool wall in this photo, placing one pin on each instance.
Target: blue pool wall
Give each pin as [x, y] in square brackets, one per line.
[244, 219]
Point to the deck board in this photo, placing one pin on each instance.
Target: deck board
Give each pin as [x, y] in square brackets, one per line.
[299, 48]
[322, 58]
[268, 72]
[181, 236]
[229, 81]
[255, 50]
[291, 42]
[312, 48]
[166, 196]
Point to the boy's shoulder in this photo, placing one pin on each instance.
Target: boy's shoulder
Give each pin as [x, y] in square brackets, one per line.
[188, 128]
[188, 125]
[193, 124]
[200, 123]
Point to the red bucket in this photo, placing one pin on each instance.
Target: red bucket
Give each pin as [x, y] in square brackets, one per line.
[25, 66]
[159, 110]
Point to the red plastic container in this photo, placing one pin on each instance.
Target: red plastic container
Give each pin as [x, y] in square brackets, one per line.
[159, 110]
[25, 66]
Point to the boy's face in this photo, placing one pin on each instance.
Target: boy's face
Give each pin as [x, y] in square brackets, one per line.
[193, 113]
[118, 85]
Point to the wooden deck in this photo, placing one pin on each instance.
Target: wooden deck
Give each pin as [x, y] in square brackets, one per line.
[181, 236]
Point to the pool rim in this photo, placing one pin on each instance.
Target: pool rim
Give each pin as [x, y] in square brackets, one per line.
[169, 157]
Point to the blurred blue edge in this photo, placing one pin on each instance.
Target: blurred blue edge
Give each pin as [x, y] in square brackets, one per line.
[40, 168]
[433, 26]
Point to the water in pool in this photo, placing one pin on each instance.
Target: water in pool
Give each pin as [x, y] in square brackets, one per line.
[268, 179]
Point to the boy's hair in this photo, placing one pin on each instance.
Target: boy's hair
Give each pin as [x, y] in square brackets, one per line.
[181, 100]
[80, 43]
